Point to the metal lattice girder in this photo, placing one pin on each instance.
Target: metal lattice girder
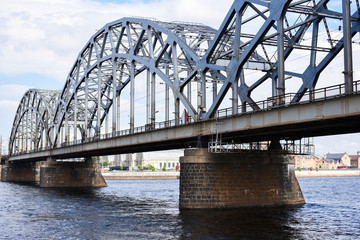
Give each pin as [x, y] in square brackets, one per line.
[32, 121]
[281, 29]
[123, 49]
[191, 61]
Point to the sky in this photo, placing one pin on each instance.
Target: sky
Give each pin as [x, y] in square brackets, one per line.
[41, 39]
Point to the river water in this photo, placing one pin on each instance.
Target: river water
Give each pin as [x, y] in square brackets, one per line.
[149, 210]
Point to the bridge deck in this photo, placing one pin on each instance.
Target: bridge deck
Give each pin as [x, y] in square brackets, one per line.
[338, 115]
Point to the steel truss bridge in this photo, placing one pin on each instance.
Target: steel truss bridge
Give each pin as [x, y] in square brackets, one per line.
[143, 85]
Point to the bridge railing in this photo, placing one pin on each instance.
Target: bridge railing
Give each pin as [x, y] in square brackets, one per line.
[125, 132]
[299, 147]
[290, 99]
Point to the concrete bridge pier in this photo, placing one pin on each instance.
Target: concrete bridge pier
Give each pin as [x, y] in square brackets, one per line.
[20, 172]
[235, 180]
[71, 174]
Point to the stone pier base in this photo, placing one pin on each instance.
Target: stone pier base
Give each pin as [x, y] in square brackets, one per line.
[71, 174]
[235, 180]
[20, 172]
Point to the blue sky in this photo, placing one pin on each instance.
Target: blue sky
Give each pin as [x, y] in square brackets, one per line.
[41, 40]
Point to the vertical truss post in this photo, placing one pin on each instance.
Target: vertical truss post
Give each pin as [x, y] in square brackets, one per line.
[118, 108]
[167, 106]
[114, 107]
[31, 130]
[313, 55]
[17, 148]
[177, 83]
[22, 137]
[41, 143]
[214, 89]
[153, 99]
[107, 125]
[314, 43]
[235, 96]
[175, 62]
[148, 86]
[98, 120]
[202, 93]
[274, 86]
[177, 110]
[50, 133]
[348, 71]
[27, 129]
[67, 128]
[188, 87]
[37, 131]
[75, 116]
[132, 96]
[242, 79]
[281, 59]
[86, 108]
[235, 85]
[62, 134]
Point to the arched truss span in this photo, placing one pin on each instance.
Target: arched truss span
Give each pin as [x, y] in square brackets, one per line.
[32, 121]
[280, 31]
[254, 53]
[111, 61]
[115, 56]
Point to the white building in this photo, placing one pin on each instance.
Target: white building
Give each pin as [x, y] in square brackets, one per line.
[170, 159]
[159, 159]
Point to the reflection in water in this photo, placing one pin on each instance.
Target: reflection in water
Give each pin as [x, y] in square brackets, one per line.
[250, 223]
[149, 210]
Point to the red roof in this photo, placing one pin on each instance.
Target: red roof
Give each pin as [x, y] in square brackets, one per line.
[354, 157]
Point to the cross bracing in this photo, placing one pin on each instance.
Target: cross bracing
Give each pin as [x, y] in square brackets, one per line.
[138, 72]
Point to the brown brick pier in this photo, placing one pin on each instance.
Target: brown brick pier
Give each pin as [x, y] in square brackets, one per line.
[234, 180]
[55, 174]
[20, 172]
[71, 174]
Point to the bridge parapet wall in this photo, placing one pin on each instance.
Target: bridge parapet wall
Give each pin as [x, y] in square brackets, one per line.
[234, 180]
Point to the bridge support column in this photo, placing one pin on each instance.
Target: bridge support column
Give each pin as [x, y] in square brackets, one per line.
[235, 180]
[71, 174]
[20, 172]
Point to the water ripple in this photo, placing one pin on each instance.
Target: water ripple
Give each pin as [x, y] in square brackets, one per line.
[149, 210]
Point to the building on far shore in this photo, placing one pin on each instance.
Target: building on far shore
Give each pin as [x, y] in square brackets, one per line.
[329, 161]
[355, 160]
[307, 162]
[169, 159]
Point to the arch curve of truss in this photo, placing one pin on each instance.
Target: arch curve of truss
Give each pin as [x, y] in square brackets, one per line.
[119, 52]
[32, 121]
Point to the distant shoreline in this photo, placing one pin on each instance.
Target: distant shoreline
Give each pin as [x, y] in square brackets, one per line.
[327, 173]
[129, 175]
[126, 175]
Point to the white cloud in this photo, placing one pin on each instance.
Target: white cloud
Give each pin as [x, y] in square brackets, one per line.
[7, 113]
[8, 105]
[44, 37]
[13, 92]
